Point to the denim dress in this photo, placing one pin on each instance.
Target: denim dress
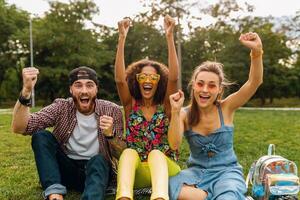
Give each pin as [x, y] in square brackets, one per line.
[212, 166]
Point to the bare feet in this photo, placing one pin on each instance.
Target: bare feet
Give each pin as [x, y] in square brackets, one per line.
[55, 197]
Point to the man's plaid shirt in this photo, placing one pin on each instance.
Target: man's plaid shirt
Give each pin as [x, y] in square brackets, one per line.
[61, 115]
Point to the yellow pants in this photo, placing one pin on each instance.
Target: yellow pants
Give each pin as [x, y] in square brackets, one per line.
[132, 173]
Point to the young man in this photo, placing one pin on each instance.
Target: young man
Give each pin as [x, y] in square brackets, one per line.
[77, 153]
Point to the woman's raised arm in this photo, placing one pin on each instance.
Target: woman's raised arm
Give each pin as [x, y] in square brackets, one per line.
[239, 98]
[120, 76]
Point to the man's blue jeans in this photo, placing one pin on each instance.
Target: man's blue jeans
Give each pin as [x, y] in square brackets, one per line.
[57, 171]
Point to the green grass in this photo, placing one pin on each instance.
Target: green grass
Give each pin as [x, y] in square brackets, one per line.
[254, 130]
[277, 102]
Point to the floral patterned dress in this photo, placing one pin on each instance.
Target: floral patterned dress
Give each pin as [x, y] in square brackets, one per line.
[144, 136]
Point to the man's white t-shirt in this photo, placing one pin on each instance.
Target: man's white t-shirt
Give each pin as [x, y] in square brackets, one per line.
[83, 143]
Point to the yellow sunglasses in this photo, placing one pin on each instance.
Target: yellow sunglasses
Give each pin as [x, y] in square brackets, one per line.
[142, 77]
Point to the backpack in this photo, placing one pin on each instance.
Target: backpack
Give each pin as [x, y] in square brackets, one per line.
[273, 176]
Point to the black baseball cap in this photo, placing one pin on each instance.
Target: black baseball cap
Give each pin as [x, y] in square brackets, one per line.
[83, 72]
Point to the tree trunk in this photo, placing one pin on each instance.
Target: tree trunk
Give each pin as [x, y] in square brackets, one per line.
[262, 101]
[271, 100]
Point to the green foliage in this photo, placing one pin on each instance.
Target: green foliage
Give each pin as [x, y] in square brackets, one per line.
[62, 41]
[295, 33]
[61, 38]
[275, 49]
[53, 83]
[144, 41]
[12, 20]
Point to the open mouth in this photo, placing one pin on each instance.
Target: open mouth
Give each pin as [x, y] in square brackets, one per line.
[204, 98]
[147, 88]
[84, 100]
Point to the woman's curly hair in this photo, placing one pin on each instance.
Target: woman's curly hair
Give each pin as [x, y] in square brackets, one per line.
[133, 85]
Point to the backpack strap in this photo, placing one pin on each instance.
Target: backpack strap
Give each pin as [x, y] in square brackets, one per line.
[250, 175]
[271, 149]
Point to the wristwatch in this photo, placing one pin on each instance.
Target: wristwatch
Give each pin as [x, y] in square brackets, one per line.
[109, 137]
[24, 101]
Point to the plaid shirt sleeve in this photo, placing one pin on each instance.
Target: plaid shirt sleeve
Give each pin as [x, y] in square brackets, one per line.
[118, 122]
[118, 144]
[44, 118]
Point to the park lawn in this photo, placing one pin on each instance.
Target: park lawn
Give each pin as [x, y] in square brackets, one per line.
[254, 130]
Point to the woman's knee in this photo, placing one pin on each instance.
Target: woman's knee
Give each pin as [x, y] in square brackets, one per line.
[155, 154]
[129, 153]
[129, 157]
[191, 192]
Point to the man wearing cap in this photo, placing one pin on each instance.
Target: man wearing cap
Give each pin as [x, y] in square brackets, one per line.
[77, 153]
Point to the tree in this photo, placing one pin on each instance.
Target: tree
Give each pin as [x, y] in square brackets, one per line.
[292, 27]
[63, 42]
[178, 9]
[276, 54]
[12, 21]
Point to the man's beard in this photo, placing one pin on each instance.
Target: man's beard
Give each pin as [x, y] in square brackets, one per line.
[89, 110]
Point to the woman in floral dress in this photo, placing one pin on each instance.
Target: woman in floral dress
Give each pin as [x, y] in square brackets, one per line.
[144, 89]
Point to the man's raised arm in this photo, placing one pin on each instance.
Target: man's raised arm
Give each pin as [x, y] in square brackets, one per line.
[21, 111]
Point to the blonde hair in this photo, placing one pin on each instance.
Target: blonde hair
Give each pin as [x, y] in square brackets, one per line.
[208, 66]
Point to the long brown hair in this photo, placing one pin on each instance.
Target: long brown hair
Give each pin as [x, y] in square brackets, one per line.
[208, 66]
[133, 85]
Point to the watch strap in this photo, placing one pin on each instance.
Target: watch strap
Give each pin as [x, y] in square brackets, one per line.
[109, 137]
[24, 101]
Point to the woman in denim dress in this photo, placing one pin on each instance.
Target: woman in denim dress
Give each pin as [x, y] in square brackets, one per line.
[207, 123]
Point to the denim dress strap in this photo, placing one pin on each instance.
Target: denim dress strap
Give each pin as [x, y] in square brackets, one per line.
[187, 110]
[221, 115]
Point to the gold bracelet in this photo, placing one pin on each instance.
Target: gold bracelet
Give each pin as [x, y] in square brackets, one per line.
[257, 54]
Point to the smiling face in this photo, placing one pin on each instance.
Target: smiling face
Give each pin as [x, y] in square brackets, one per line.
[206, 88]
[148, 80]
[84, 93]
